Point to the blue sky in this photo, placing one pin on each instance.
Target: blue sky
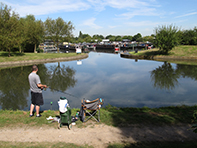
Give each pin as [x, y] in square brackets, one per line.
[112, 17]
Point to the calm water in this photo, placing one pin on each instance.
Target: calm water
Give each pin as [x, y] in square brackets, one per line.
[120, 82]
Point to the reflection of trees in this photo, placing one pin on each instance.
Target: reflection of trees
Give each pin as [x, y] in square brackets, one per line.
[14, 88]
[189, 71]
[164, 77]
[61, 77]
[14, 85]
[43, 73]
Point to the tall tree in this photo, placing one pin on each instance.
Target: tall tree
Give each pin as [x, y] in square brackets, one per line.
[21, 38]
[9, 28]
[34, 30]
[80, 34]
[57, 29]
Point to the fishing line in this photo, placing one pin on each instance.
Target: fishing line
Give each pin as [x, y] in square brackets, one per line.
[64, 92]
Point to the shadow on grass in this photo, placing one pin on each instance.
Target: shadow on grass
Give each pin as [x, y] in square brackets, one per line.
[146, 124]
[156, 116]
[6, 54]
[176, 144]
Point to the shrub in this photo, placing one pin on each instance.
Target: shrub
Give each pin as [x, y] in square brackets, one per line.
[166, 38]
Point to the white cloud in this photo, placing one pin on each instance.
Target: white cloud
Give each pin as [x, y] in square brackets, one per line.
[112, 26]
[122, 4]
[47, 6]
[99, 5]
[90, 23]
[142, 23]
[188, 14]
[139, 12]
[44, 7]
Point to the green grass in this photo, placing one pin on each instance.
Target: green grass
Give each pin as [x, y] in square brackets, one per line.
[40, 145]
[156, 116]
[109, 115]
[175, 144]
[180, 51]
[16, 56]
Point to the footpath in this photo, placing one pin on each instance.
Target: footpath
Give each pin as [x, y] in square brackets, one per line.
[99, 135]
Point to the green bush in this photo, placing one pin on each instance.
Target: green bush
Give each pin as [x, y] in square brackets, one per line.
[166, 38]
[39, 50]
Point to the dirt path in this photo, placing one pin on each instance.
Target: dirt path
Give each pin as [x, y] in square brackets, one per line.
[98, 135]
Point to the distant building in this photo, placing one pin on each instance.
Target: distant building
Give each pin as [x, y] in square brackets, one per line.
[105, 41]
[47, 45]
[126, 40]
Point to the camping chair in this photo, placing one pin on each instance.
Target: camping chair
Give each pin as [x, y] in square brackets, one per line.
[93, 106]
[65, 113]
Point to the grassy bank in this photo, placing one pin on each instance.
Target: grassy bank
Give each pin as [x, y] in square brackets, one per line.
[173, 115]
[40, 145]
[179, 51]
[109, 115]
[16, 56]
[176, 144]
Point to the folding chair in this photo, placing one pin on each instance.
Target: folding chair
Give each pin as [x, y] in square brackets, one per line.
[90, 108]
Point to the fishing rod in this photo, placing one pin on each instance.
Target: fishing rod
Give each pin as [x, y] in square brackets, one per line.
[62, 92]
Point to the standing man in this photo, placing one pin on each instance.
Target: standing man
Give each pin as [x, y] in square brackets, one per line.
[36, 91]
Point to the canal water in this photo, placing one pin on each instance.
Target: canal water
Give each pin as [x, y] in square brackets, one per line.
[119, 81]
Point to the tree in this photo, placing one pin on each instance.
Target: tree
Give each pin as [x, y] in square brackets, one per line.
[21, 36]
[135, 37]
[80, 34]
[98, 37]
[118, 38]
[166, 38]
[148, 38]
[34, 31]
[9, 28]
[189, 37]
[128, 37]
[87, 39]
[111, 37]
[57, 29]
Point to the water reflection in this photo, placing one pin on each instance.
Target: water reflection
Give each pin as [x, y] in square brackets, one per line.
[189, 71]
[61, 77]
[120, 82]
[165, 77]
[14, 88]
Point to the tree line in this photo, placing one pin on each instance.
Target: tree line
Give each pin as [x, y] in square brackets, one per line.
[24, 34]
